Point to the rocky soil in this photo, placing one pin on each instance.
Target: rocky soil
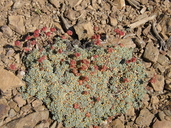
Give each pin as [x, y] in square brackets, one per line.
[147, 27]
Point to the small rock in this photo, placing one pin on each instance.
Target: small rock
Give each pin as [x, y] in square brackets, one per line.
[25, 109]
[168, 73]
[163, 60]
[151, 53]
[19, 100]
[18, 4]
[143, 1]
[54, 124]
[16, 23]
[8, 80]
[4, 108]
[120, 4]
[113, 21]
[36, 103]
[145, 117]
[117, 124]
[154, 101]
[84, 30]
[168, 87]
[12, 113]
[161, 115]
[158, 85]
[162, 124]
[6, 30]
[130, 111]
[55, 3]
[128, 43]
[74, 3]
[28, 121]
[168, 118]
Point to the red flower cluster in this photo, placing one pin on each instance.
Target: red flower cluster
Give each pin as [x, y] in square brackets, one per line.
[97, 39]
[36, 33]
[125, 80]
[69, 32]
[12, 67]
[60, 51]
[110, 50]
[77, 54]
[41, 59]
[76, 106]
[73, 63]
[133, 59]
[52, 29]
[118, 31]
[103, 68]
[17, 43]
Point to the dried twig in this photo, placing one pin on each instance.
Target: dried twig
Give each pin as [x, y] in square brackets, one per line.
[143, 21]
[162, 42]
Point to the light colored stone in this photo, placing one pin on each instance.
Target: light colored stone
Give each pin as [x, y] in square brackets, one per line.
[168, 73]
[117, 124]
[84, 30]
[130, 111]
[158, 85]
[6, 30]
[151, 53]
[74, 3]
[8, 80]
[4, 108]
[162, 124]
[12, 113]
[128, 43]
[163, 60]
[16, 23]
[28, 121]
[113, 21]
[19, 100]
[143, 1]
[54, 124]
[37, 103]
[55, 3]
[161, 115]
[145, 117]
[120, 4]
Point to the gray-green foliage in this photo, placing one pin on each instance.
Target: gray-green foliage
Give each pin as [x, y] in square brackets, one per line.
[103, 94]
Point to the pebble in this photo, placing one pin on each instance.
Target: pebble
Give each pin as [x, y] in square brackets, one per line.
[6, 30]
[8, 80]
[162, 124]
[117, 124]
[158, 85]
[84, 30]
[145, 117]
[163, 60]
[151, 53]
[19, 100]
[28, 121]
[161, 115]
[55, 3]
[4, 108]
[113, 21]
[16, 23]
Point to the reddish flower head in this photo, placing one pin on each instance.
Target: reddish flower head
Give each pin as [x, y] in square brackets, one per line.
[60, 51]
[44, 29]
[76, 106]
[48, 33]
[17, 43]
[110, 50]
[77, 54]
[12, 67]
[88, 114]
[52, 29]
[28, 37]
[33, 42]
[41, 59]
[69, 32]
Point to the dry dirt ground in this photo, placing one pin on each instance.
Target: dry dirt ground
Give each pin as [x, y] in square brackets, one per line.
[147, 28]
